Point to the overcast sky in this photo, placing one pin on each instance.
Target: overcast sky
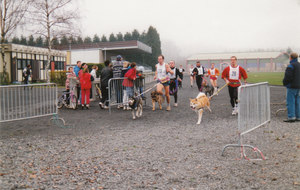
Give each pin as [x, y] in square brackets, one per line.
[197, 26]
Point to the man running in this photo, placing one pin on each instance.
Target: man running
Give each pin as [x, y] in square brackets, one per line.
[181, 70]
[232, 76]
[173, 81]
[161, 74]
[213, 74]
[199, 72]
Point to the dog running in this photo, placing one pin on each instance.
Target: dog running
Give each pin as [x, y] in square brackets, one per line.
[198, 104]
[136, 102]
[156, 97]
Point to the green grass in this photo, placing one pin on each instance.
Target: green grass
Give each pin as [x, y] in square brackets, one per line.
[274, 78]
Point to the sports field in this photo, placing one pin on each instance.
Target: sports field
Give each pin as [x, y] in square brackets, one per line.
[274, 78]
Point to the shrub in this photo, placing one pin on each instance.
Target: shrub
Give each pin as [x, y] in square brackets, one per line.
[58, 77]
[4, 78]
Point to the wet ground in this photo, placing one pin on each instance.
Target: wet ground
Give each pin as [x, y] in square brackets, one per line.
[160, 150]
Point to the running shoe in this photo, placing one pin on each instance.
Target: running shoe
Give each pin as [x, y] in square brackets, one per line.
[175, 105]
[168, 108]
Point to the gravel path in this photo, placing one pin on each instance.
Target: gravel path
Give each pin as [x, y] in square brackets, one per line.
[161, 150]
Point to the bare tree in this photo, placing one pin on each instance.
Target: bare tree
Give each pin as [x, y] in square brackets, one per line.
[54, 19]
[12, 13]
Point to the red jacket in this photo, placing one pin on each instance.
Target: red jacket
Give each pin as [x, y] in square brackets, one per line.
[130, 77]
[234, 83]
[85, 81]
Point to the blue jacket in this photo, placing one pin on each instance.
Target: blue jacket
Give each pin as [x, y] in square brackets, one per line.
[76, 70]
[292, 75]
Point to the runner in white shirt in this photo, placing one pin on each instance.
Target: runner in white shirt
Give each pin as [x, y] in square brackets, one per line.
[161, 75]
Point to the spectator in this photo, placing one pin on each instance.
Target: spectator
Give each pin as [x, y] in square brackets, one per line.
[106, 74]
[86, 84]
[27, 73]
[70, 75]
[126, 67]
[94, 71]
[128, 81]
[291, 81]
[117, 73]
[76, 71]
[139, 82]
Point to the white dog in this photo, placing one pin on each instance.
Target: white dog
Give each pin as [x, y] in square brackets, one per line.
[198, 104]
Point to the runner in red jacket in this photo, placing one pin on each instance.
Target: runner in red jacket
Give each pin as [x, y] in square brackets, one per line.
[86, 85]
[232, 76]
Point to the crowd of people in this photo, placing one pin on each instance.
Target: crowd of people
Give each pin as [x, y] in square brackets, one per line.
[169, 79]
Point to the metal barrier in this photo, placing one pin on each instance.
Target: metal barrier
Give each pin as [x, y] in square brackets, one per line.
[116, 90]
[27, 101]
[254, 111]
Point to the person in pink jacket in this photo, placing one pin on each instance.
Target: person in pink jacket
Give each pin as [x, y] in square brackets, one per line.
[86, 85]
[130, 76]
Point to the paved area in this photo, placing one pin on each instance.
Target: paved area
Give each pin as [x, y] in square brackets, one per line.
[161, 150]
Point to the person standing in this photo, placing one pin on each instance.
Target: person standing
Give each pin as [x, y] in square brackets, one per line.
[86, 85]
[106, 74]
[94, 71]
[117, 72]
[192, 75]
[181, 70]
[130, 76]
[126, 67]
[174, 79]
[213, 74]
[199, 72]
[27, 73]
[161, 75]
[291, 81]
[232, 76]
[76, 71]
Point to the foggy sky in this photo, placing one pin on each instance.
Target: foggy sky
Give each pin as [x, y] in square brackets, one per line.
[197, 26]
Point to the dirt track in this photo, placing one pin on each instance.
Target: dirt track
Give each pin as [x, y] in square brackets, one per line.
[161, 150]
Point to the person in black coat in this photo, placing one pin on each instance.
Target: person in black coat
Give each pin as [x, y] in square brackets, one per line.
[199, 72]
[106, 74]
[292, 82]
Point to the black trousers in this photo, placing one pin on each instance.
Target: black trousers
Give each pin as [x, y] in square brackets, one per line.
[233, 93]
[199, 81]
[174, 89]
[26, 80]
[104, 92]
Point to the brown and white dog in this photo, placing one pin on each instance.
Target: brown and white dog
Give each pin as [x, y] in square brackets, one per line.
[156, 97]
[136, 103]
[198, 104]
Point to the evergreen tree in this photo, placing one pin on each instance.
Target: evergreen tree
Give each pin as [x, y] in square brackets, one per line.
[15, 40]
[79, 40]
[103, 38]
[87, 40]
[45, 44]
[112, 38]
[31, 41]
[153, 40]
[96, 39]
[120, 37]
[23, 40]
[55, 42]
[135, 34]
[143, 37]
[64, 40]
[39, 41]
[72, 40]
[127, 36]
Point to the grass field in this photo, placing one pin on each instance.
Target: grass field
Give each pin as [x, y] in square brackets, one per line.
[274, 78]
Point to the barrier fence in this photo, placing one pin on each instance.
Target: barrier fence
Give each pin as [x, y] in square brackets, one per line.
[27, 101]
[116, 91]
[254, 112]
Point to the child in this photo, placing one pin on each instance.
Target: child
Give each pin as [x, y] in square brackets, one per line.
[94, 71]
[69, 76]
[125, 97]
[86, 84]
[130, 77]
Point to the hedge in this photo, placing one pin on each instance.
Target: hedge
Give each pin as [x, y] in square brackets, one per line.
[58, 77]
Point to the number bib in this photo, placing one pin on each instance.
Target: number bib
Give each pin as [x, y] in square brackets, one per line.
[234, 73]
[212, 72]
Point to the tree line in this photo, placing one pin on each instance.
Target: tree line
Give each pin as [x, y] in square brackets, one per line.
[150, 37]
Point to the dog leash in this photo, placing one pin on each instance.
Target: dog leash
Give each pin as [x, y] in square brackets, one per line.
[218, 91]
[148, 90]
